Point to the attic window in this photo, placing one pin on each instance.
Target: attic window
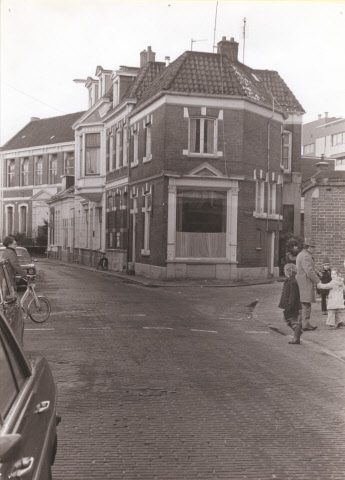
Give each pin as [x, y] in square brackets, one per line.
[52, 137]
[256, 78]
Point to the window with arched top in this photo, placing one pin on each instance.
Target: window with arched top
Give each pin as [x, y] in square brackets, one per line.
[23, 216]
[38, 170]
[11, 166]
[9, 219]
[24, 175]
[53, 169]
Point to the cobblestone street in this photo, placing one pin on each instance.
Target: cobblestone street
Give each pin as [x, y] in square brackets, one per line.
[184, 383]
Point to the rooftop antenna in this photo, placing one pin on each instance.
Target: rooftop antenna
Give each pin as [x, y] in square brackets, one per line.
[193, 41]
[215, 25]
[244, 35]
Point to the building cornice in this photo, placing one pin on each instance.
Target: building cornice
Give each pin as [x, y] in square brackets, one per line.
[27, 151]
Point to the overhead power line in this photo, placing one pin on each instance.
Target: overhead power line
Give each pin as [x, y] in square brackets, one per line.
[36, 99]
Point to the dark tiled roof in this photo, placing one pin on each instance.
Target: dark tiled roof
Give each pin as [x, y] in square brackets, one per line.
[39, 132]
[202, 73]
[279, 90]
[146, 76]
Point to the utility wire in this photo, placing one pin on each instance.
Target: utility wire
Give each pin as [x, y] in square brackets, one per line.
[36, 99]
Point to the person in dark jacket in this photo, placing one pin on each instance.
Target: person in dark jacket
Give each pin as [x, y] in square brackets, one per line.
[291, 304]
[103, 263]
[11, 256]
[326, 277]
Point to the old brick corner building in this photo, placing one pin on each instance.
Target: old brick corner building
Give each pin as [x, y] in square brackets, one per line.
[184, 170]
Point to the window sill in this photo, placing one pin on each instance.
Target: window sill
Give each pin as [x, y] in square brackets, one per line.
[258, 249]
[147, 160]
[273, 216]
[203, 155]
[145, 253]
[134, 164]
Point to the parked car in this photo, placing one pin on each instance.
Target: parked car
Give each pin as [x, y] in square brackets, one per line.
[28, 419]
[25, 261]
[9, 303]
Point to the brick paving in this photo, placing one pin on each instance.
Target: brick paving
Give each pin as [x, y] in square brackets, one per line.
[187, 383]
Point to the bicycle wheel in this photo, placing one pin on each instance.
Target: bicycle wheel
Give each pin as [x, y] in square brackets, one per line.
[39, 314]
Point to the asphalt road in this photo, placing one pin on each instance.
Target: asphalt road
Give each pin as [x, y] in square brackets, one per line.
[183, 383]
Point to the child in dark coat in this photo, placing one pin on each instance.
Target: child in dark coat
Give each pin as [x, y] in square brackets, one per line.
[325, 276]
[291, 304]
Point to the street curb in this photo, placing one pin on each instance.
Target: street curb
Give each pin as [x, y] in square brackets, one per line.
[127, 279]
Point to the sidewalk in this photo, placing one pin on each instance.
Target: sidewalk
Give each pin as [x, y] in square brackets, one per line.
[331, 342]
[155, 283]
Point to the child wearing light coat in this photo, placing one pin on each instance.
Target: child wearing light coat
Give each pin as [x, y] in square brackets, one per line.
[335, 305]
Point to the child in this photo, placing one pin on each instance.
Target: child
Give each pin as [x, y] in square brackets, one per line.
[103, 263]
[325, 276]
[336, 310]
[290, 302]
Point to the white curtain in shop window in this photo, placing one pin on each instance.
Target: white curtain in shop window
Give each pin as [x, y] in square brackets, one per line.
[200, 245]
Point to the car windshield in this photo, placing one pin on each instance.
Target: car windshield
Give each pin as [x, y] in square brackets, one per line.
[23, 255]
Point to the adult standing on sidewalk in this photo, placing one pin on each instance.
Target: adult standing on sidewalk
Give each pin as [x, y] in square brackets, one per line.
[11, 256]
[307, 279]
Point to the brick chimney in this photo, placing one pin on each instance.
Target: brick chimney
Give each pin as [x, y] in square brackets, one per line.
[34, 119]
[228, 48]
[147, 56]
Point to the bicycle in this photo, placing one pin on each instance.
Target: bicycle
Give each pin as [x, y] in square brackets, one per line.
[38, 308]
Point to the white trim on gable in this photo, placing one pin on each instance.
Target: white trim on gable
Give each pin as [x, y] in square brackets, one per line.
[206, 166]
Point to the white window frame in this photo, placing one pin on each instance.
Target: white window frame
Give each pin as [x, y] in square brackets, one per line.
[64, 163]
[124, 146]
[20, 206]
[289, 134]
[7, 207]
[38, 157]
[10, 172]
[338, 138]
[53, 156]
[147, 124]
[135, 134]
[24, 162]
[215, 137]
[146, 209]
[260, 197]
[310, 148]
[272, 198]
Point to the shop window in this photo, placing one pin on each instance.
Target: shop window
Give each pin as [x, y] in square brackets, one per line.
[201, 224]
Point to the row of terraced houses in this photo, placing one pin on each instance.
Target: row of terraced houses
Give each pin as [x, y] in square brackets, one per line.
[189, 169]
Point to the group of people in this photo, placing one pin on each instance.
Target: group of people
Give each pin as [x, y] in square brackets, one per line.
[299, 291]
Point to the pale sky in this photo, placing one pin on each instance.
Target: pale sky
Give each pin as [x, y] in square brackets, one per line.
[45, 44]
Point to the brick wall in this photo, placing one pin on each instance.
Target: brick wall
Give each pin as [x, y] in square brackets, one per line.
[324, 220]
